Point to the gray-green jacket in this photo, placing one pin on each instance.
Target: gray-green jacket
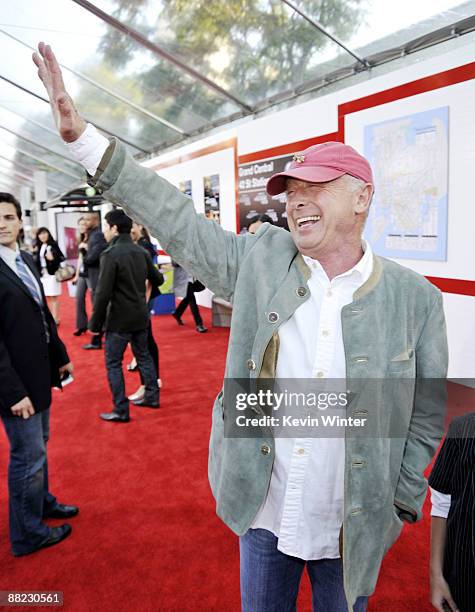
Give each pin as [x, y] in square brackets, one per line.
[394, 327]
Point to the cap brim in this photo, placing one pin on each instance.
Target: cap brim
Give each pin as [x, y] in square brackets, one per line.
[317, 174]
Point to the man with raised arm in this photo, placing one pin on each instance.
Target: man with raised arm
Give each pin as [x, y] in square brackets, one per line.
[312, 303]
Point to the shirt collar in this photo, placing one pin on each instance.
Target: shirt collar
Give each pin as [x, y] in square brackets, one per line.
[9, 255]
[363, 268]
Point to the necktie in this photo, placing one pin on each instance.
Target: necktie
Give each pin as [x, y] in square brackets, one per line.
[27, 280]
[30, 285]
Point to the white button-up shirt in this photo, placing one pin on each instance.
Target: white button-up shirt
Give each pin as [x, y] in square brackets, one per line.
[304, 504]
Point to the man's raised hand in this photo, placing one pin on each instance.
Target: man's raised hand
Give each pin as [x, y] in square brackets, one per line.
[68, 121]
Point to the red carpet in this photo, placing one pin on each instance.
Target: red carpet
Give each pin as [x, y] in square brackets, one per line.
[147, 537]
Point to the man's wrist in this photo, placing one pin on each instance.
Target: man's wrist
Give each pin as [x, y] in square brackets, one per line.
[88, 148]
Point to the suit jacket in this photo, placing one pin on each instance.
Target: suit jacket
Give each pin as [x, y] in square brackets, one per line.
[394, 329]
[120, 299]
[29, 365]
[91, 257]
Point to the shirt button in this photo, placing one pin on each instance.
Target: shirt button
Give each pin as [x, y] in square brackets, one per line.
[251, 364]
[325, 333]
[301, 451]
[319, 374]
[273, 317]
[301, 291]
[265, 449]
[329, 293]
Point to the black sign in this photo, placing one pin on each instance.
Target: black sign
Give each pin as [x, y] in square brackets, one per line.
[253, 198]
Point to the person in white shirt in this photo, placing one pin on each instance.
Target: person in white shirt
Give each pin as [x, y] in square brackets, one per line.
[289, 499]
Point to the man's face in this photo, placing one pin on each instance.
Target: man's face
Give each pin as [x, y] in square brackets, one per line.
[109, 231]
[91, 220]
[10, 225]
[323, 217]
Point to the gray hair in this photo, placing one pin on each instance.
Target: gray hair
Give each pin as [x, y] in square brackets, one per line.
[353, 183]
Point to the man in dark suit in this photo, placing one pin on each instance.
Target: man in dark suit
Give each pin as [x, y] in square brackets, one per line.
[91, 252]
[121, 306]
[32, 360]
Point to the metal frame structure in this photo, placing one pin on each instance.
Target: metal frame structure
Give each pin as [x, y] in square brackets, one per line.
[144, 42]
[99, 127]
[331, 76]
[110, 92]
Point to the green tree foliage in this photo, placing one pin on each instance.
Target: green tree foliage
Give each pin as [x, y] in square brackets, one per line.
[253, 49]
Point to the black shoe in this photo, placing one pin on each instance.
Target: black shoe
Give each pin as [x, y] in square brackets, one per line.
[92, 346]
[113, 416]
[177, 319]
[80, 331]
[143, 403]
[201, 329]
[62, 511]
[56, 535]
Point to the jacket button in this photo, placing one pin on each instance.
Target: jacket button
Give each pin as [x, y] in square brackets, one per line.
[273, 317]
[301, 291]
[251, 364]
[265, 449]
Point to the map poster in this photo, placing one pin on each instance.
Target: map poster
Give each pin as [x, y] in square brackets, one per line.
[409, 157]
[253, 198]
[211, 197]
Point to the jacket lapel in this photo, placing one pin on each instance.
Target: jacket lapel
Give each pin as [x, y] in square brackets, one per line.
[8, 272]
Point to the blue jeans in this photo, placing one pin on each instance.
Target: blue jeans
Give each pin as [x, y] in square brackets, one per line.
[116, 343]
[270, 579]
[29, 498]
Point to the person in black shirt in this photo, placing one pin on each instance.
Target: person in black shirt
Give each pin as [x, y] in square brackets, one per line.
[452, 568]
[141, 237]
[80, 281]
[91, 251]
[121, 306]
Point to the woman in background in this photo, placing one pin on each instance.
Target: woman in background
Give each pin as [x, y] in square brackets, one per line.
[80, 282]
[48, 258]
[141, 236]
[185, 286]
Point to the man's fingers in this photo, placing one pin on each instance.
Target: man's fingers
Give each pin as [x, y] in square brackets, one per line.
[54, 69]
[451, 602]
[36, 59]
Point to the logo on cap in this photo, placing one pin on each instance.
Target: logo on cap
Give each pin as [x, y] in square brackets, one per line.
[299, 158]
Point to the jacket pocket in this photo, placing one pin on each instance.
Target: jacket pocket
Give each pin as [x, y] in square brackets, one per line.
[403, 363]
[394, 530]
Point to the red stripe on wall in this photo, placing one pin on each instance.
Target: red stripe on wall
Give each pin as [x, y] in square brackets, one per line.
[292, 147]
[406, 90]
[453, 285]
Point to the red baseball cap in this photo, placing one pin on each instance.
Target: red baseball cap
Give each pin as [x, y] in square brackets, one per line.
[321, 163]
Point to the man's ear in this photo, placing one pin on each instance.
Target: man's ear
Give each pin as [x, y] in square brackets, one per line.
[364, 199]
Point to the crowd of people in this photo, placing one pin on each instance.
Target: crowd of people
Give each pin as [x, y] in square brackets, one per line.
[313, 302]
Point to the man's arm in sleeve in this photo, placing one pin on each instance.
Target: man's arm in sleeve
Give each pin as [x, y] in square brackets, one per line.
[153, 274]
[201, 246]
[427, 422]
[95, 248]
[104, 290]
[11, 386]
[56, 346]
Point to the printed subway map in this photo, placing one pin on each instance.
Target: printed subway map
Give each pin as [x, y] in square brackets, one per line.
[409, 157]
